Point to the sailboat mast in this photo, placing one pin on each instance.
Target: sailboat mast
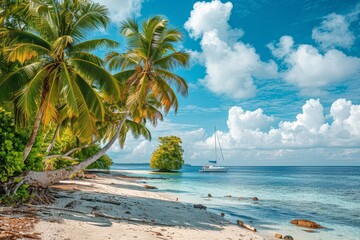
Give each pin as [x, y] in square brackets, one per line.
[222, 155]
[215, 146]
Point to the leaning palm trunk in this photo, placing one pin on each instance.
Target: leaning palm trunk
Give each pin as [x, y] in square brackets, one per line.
[51, 146]
[47, 178]
[34, 133]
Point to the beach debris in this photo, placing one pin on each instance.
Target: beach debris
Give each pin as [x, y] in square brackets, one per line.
[209, 195]
[18, 228]
[278, 235]
[157, 233]
[247, 226]
[228, 196]
[222, 214]
[99, 200]
[199, 206]
[288, 237]
[305, 223]
[255, 199]
[150, 187]
[89, 176]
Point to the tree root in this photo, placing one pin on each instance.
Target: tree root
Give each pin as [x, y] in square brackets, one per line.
[40, 196]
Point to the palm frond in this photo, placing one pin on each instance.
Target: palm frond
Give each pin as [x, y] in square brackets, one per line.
[173, 60]
[60, 44]
[28, 98]
[24, 51]
[95, 44]
[68, 90]
[92, 98]
[93, 15]
[174, 79]
[12, 82]
[13, 36]
[99, 77]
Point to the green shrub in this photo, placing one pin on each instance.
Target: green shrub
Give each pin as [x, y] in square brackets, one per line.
[12, 144]
[169, 155]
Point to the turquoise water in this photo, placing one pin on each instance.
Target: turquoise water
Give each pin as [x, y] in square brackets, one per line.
[327, 195]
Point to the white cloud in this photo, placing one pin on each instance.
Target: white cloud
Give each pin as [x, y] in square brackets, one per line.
[311, 70]
[283, 47]
[122, 9]
[240, 120]
[207, 16]
[334, 32]
[231, 65]
[247, 129]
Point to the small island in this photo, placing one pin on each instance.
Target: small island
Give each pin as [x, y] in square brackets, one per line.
[168, 157]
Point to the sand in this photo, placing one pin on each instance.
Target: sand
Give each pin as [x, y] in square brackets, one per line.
[151, 214]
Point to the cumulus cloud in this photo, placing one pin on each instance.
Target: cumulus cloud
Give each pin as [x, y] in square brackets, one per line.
[334, 32]
[311, 70]
[231, 65]
[240, 120]
[120, 10]
[207, 16]
[247, 129]
[283, 47]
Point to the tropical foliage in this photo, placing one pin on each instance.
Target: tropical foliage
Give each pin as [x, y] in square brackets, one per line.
[169, 154]
[12, 144]
[67, 108]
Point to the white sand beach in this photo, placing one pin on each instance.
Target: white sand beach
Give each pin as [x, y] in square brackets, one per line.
[131, 212]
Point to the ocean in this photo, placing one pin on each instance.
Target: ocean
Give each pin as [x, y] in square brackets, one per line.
[329, 196]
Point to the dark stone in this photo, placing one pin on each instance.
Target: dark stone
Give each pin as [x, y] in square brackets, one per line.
[288, 237]
[199, 206]
[222, 214]
[255, 199]
[209, 195]
[72, 204]
[150, 187]
[127, 212]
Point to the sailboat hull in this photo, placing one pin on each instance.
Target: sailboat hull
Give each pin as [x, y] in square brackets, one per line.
[217, 169]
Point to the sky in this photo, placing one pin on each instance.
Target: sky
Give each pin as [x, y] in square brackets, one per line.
[279, 80]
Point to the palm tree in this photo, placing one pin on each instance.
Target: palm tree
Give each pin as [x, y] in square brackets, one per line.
[148, 64]
[145, 85]
[58, 66]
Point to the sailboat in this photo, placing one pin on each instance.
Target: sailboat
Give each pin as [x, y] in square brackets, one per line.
[213, 167]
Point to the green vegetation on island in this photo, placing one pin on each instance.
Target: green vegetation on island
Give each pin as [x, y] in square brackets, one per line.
[169, 155]
[63, 107]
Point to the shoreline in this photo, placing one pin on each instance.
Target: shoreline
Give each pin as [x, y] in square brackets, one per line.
[111, 206]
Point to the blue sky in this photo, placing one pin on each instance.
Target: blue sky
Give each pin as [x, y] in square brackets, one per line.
[272, 76]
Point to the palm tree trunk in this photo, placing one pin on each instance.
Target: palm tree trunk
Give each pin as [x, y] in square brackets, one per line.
[34, 132]
[36, 126]
[50, 177]
[51, 146]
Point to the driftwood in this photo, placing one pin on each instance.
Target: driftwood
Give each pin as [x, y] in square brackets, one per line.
[40, 208]
[99, 214]
[98, 200]
[244, 225]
